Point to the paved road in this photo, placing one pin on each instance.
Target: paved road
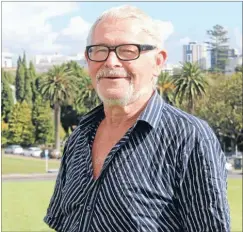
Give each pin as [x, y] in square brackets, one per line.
[52, 177]
[32, 177]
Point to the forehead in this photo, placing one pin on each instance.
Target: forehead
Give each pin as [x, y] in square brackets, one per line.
[117, 31]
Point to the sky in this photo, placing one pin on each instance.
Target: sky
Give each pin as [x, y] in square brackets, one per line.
[62, 27]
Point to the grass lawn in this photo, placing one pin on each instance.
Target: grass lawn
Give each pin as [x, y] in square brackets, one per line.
[235, 202]
[24, 205]
[12, 164]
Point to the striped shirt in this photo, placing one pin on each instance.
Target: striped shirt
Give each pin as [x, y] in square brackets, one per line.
[167, 174]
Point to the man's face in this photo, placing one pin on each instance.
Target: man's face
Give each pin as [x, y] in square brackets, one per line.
[123, 81]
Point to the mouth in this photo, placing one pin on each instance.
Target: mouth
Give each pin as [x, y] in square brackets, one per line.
[115, 78]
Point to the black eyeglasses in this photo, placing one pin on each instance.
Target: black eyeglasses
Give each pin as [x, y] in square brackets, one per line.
[125, 52]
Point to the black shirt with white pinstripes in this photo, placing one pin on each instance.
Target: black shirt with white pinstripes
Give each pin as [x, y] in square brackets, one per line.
[167, 174]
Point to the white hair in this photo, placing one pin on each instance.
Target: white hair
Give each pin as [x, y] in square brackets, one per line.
[148, 25]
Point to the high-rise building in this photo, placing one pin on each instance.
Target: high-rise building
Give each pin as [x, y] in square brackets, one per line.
[225, 58]
[233, 52]
[197, 53]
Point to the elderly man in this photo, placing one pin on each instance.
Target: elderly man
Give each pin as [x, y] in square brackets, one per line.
[135, 163]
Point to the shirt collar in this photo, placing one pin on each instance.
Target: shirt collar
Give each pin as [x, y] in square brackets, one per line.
[152, 113]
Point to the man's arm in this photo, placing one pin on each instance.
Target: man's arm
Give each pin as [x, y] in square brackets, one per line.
[202, 195]
[54, 216]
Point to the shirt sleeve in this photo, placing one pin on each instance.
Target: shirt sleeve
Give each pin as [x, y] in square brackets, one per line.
[54, 216]
[202, 195]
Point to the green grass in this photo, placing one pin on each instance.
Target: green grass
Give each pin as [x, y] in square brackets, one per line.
[235, 202]
[24, 205]
[25, 165]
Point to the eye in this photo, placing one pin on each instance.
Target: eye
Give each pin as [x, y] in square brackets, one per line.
[129, 49]
[98, 49]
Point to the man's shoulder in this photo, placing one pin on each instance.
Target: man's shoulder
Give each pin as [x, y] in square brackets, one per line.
[179, 119]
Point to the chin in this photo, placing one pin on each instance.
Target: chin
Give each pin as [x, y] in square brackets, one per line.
[115, 98]
[122, 101]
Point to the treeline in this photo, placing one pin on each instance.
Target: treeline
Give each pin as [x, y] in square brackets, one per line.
[33, 104]
[39, 108]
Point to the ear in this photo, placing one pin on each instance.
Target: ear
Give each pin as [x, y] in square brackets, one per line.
[160, 60]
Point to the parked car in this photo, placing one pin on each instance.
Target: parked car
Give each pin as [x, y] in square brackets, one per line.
[14, 149]
[52, 154]
[33, 151]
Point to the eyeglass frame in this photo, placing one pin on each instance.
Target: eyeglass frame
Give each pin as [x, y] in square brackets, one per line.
[141, 47]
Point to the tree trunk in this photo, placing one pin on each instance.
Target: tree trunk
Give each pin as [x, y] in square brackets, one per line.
[190, 106]
[57, 111]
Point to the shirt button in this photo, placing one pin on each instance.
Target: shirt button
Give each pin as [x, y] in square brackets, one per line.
[88, 208]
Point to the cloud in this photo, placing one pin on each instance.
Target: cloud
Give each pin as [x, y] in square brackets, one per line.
[26, 25]
[184, 40]
[165, 28]
[77, 28]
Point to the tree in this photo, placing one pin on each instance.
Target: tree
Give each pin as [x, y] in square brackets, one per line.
[189, 85]
[218, 45]
[10, 76]
[239, 68]
[19, 61]
[41, 116]
[87, 98]
[222, 107]
[59, 86]
[20, 82]
[4, 133]
[166, 87]
[7, 98]
[69, 118]
[28, 87]
[20, 125]
[32, 70]
[24, 62]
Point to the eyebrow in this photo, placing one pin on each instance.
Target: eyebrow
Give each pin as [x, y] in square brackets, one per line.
[103, 44]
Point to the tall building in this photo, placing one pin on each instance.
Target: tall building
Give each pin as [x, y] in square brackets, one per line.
[227, 59]
[233, 52]
[197, 53]
[7, 60]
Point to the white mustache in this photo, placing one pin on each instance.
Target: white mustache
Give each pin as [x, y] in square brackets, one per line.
[112, 73]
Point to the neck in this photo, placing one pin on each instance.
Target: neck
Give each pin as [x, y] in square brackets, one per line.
[119, 116]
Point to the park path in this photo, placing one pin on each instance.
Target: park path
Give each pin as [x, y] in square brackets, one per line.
[29, 177]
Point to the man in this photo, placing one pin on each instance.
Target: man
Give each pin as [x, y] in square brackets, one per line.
[136, 163]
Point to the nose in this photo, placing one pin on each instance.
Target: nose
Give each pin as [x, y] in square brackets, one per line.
[112, 60]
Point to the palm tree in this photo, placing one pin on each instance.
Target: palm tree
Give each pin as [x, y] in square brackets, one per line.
[60, 87]
[189, 85]
[87, 97]
[166, 87]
